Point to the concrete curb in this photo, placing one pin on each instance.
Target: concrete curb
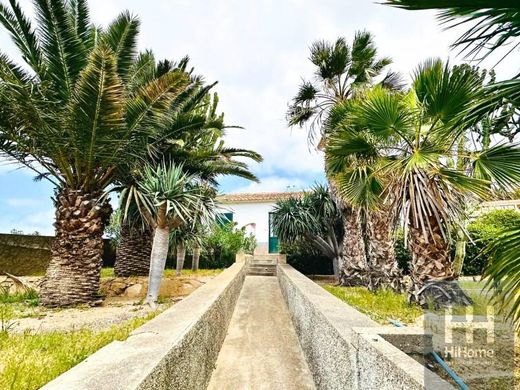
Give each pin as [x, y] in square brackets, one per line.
[176, 350]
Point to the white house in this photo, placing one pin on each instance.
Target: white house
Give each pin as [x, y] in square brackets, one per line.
[252, 212]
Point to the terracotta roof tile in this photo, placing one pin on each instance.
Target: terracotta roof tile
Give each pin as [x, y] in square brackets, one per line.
[257, 197]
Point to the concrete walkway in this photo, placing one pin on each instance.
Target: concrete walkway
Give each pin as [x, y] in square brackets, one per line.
[261, 349]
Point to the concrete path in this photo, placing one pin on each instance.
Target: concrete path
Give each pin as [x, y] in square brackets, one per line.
[261, 350]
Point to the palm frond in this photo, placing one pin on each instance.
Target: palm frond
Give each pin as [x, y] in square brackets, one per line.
[65, 55]
[80, 16]
[23, 35]
[152, 99]
[489, 25]
[499, 164]
[121, 36]
[502, 273]
[97, 116]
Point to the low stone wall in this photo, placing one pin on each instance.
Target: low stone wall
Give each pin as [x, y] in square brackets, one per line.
[25, 255]
[176, 350]
[347, 350]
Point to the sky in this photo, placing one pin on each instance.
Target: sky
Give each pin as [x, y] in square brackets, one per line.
[258, 52]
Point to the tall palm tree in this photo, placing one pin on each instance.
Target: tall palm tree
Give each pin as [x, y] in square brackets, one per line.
[171, 197]
[342, 71]
[490, 26]
[73, 120]
[421, 129]
[193, 138]
[315, 218]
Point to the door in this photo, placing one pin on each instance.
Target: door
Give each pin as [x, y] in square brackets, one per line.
[273, 240]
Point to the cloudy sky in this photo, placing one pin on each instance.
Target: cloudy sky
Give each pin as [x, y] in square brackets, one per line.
[257, 50]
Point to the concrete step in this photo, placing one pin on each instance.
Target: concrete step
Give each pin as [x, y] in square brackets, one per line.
[263, 261]
[269, 258]
[261, 273]
[265, 269]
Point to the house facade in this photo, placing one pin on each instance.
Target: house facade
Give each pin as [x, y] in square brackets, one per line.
[253, 212]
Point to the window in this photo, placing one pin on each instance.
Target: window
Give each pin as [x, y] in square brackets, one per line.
[224, 218]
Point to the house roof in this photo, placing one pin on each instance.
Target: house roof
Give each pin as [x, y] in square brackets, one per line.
[257, 197]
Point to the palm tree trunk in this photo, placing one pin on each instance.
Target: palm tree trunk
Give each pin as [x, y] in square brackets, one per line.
[353, 265]
[380, 248]
[158, 256]
[73, 273]
[430, 256]
[181, 255]
[353, 262]
[196, 258]
[133, 252]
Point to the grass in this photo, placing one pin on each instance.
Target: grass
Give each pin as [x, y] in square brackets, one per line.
[380, 306]
[386, 304]
[169, 273]
[29, 360]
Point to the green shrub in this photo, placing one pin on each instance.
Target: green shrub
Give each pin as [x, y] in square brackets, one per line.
[222, 243]
[482, 231]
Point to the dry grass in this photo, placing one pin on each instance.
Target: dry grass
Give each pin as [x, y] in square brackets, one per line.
[29, 360]
[169, 273]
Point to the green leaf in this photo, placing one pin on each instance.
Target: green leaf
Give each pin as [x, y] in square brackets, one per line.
[500, 164]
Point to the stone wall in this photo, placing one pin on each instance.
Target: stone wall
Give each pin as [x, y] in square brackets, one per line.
[29, 255]
[347, 350]
[176, 350]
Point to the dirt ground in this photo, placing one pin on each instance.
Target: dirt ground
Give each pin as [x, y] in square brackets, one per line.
[118, 306]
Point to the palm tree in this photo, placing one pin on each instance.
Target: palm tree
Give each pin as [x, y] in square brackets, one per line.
[490, 27]
[346, 166]
[193, 138]
[341, 73]
[314, 217]
[170, 198]
[416, 136]
[73, 120]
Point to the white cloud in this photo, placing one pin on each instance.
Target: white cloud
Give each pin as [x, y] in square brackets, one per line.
[274, 184]
[258, 51]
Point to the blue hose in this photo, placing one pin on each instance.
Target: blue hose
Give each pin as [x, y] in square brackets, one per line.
[458, 380]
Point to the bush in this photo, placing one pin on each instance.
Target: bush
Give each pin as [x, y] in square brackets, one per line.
[223, 243]
[483, 230]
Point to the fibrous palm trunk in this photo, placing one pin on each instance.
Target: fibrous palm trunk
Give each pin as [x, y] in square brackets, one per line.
[196, 258]
[352, 264]
[181, 255]
[353, 267]
[133, 252]
[76, 255]
[432, 269]
[384, 271]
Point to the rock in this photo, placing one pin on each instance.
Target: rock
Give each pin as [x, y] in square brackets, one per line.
[117, 288]
[134, 291]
